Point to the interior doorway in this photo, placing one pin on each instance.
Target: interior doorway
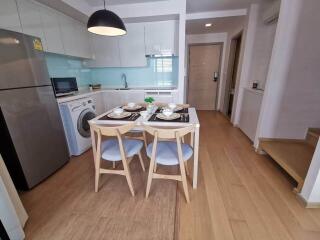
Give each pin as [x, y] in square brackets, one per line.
[204, 72]
[234, 59]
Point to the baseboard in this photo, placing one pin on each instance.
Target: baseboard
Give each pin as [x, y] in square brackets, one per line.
[307, 204]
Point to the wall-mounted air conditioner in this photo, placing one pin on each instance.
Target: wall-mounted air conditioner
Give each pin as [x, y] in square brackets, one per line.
[271, 13]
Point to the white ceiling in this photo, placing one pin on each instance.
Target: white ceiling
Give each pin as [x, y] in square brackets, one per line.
[192, 5]
[79, 9]
[219, 25]
[96, 3]
[214, 5]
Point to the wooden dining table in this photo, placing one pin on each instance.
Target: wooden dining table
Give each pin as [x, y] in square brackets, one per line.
[140, 122]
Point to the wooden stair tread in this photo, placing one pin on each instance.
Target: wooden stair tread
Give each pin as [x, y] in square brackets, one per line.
[314, 131]
[294, 156]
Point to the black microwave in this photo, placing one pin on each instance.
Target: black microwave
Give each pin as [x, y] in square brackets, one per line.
[64, 86]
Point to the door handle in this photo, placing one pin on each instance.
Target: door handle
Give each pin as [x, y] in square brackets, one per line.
[215, 76]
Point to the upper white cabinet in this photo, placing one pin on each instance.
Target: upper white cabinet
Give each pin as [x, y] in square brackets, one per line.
[74, 37]
[83, 40]
[9, 17]
[69, 38]
[31, 20]
[162, 38]
[105, 52]
[124, 51]
[132, 46]
[51, 30]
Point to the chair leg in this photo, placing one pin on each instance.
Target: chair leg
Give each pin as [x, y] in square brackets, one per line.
[141, 162]
[129, 180]
[184, 181]
[185, 187]
[96, 181]
[152, 162]
[128, 175]
[155, 167]
[114, 164]
[186, 167]
[145, 139]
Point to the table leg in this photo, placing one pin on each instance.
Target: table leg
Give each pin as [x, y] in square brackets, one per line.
[196, 157]
[93, 139]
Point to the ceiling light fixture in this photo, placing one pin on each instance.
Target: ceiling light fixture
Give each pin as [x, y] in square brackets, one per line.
[105, 22]
[208, 24]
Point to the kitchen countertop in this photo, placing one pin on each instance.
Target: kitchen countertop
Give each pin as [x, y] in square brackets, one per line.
[86, 92]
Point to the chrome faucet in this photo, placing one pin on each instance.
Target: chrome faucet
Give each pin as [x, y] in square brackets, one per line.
[124, 79]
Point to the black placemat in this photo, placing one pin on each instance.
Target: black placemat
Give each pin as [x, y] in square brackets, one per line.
[135, 110]
[184, 119]
[184, 110]
[132, 117]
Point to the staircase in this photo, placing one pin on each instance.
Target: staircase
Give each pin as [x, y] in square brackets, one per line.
[294, 156]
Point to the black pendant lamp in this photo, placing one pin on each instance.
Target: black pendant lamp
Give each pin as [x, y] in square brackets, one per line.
[107, 23]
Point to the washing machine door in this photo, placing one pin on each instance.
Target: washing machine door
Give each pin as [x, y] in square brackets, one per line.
[83, 124]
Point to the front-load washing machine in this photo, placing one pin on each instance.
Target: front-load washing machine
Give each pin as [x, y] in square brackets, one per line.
[75, 116]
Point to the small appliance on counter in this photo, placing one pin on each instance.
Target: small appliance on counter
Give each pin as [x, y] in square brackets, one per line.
[64, 86]
[94, 86]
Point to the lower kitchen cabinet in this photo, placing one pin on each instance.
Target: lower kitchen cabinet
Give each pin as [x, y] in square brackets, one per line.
[162, 97]
[99, 102]
[114, 98]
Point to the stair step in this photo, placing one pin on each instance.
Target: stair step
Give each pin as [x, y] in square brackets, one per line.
[313, 136]
[293, 156]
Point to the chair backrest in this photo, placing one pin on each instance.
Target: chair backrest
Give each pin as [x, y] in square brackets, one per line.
[109, 131]
[169, 133]
[112, 130]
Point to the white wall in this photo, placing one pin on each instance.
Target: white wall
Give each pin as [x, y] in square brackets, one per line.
[291, 100]
[311, 188]
[262, 48]
[250, 110]
[260, 44]
[245, 62]
[210, 38]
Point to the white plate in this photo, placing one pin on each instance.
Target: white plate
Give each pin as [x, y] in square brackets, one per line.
[119, 116]
[173, 116]
[136, 107]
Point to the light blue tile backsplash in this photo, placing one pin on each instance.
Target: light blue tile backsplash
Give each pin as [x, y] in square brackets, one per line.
[159, 72]
[64, 66]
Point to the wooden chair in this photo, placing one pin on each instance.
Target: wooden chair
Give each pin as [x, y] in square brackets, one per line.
[169, 153]
[116, 148]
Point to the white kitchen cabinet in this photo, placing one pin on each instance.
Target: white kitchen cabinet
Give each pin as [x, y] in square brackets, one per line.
[68, 32]
[98, 102]
[75, 38]
[84, 43]
[9, 17]
[132, 96]
[31, 21]
[112, 99]
[105, 52]
[52, 30]
[162, 38]
[132, 46]
[161, 97]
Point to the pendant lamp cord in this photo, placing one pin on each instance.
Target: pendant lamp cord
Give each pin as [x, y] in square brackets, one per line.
[104, 4]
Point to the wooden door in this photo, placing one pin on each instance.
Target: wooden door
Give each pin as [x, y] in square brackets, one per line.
[204, 61]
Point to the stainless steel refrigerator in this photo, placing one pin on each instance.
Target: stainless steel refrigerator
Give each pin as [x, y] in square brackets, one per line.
[33, 144]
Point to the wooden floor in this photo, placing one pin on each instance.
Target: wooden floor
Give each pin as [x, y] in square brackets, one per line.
[241, 195]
